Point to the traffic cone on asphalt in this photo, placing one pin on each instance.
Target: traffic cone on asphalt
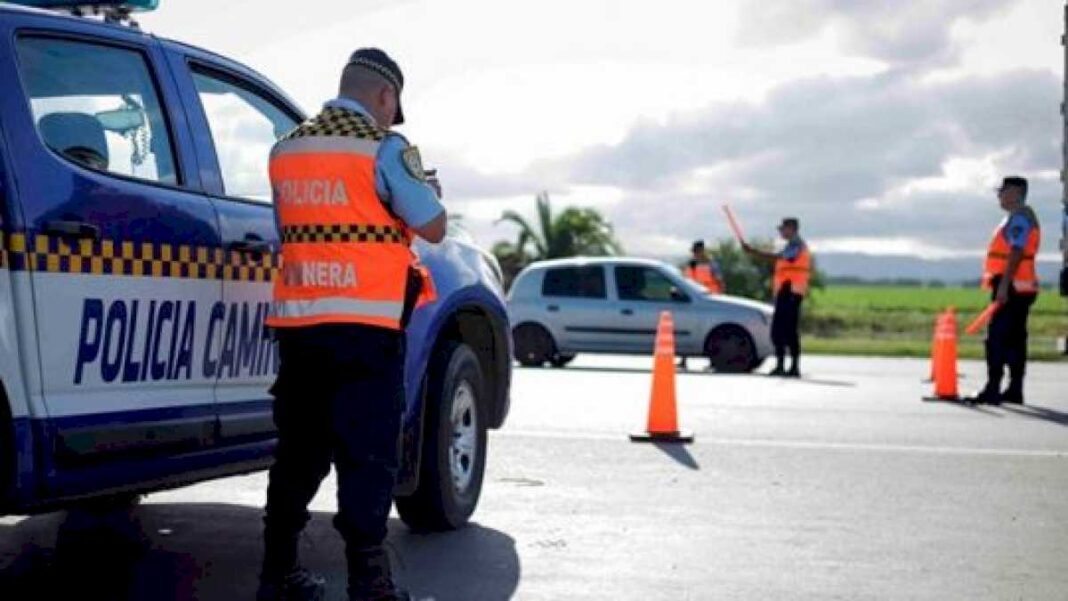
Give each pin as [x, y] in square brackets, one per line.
[945, 356]
[934, 344]
[663, 424]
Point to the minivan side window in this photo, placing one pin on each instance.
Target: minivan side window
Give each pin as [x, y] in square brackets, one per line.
[244, 126]
[97, 106]
[574, 282]
[634, 283]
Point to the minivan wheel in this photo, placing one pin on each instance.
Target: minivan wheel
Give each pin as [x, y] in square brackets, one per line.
[533, 345]
[561, 360]
[730, 349]
[454, 444]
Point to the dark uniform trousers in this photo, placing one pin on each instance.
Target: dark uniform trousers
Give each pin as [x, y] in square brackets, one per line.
[785, 323]
[339, 398]
[1006, 338]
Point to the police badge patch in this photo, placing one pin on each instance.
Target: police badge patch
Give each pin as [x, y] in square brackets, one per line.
[413, 163]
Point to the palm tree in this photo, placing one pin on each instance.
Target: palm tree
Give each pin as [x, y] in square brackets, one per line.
[573, 232]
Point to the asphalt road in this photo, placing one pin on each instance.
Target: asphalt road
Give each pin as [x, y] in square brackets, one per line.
[844, 485]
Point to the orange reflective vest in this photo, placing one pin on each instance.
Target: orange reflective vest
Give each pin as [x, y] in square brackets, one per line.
[997, 256]
[702, 274]
[345, 257]
[797, 272]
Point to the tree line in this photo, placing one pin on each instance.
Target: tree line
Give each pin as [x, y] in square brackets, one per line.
[577, 232]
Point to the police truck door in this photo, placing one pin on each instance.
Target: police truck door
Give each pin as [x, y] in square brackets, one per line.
[121, 251]
[245, 120]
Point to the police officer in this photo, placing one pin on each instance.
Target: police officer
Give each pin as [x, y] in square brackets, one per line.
[1010, 274]
[349, 196]
[704, 270]
[793, 268]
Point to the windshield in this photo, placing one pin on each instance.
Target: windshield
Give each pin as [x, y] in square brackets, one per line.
[689, 286]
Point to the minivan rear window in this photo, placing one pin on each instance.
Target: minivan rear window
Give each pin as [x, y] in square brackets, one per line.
[574, 282]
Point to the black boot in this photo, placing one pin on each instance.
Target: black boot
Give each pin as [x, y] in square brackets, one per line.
[989, 395]
[296, 585]
[370, 577]
[1014, 393]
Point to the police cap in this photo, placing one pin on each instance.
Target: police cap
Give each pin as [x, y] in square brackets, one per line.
[1014, 181]
[376, 60]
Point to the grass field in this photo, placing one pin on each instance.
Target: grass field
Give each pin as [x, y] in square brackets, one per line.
[898, 320]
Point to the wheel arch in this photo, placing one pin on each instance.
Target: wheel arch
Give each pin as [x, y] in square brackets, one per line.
[492, 345]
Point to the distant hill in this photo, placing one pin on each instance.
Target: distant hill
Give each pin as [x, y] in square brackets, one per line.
[951, 271]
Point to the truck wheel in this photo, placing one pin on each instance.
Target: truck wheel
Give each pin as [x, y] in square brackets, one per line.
[454, 444]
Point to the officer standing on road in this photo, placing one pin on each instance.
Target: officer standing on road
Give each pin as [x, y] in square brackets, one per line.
[349, 194]
[793, 268]
[1010, 275]
[704, 270]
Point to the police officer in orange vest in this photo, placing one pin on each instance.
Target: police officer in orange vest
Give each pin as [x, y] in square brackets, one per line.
[793, 268]
[704, 270]
[349, 196]
[1009, 273]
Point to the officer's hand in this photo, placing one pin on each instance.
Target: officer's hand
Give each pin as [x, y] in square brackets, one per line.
[1002, 296]
[747, 248]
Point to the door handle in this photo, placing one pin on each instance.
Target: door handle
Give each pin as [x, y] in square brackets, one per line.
[553, 308]
[73, 229]
[251, 245]
[627, 311]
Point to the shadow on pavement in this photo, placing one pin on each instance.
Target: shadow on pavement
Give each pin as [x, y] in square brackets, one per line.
[615, 370]
[679, 453]
[821, 382]
[963, 405]
[211, 552]
[1037, 412]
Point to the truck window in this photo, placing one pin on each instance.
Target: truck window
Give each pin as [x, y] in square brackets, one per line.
[574, 282]
[97, 106]
[244, 125]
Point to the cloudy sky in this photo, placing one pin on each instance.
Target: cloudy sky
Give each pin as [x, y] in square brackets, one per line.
[882, 125]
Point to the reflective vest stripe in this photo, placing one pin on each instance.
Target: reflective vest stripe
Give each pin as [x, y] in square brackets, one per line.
[307, 233]
[325, 144]
[337, 305]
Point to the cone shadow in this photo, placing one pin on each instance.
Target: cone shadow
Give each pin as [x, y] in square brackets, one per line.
[679, 453]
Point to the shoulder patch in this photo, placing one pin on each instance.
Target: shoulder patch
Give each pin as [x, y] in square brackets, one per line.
[413, 162]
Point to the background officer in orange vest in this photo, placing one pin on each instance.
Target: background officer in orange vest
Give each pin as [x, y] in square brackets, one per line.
[349, 196]
[1009, 273]
[793, 268]
[704, 270]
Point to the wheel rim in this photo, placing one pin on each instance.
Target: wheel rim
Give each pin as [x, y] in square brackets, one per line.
[463, 448]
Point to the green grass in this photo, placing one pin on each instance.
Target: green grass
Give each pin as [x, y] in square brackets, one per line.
[898, 320]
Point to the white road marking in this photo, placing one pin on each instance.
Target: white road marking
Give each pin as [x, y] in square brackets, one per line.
[796, 444]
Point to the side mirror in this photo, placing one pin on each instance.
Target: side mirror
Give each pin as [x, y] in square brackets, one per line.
[679, 296]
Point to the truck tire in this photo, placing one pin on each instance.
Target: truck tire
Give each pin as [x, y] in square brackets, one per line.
[454, 444]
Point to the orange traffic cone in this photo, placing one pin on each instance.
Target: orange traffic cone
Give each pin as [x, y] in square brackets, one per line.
[934, 344]
[945, 381]
[663, 425]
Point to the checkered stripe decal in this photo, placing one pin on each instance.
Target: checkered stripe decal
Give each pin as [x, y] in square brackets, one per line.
[341, 233]
[54, 254]
[338, 122]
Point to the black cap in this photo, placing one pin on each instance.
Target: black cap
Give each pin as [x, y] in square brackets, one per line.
[378, 61]
[790, 222]
[697, 245]
[1015, 181]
